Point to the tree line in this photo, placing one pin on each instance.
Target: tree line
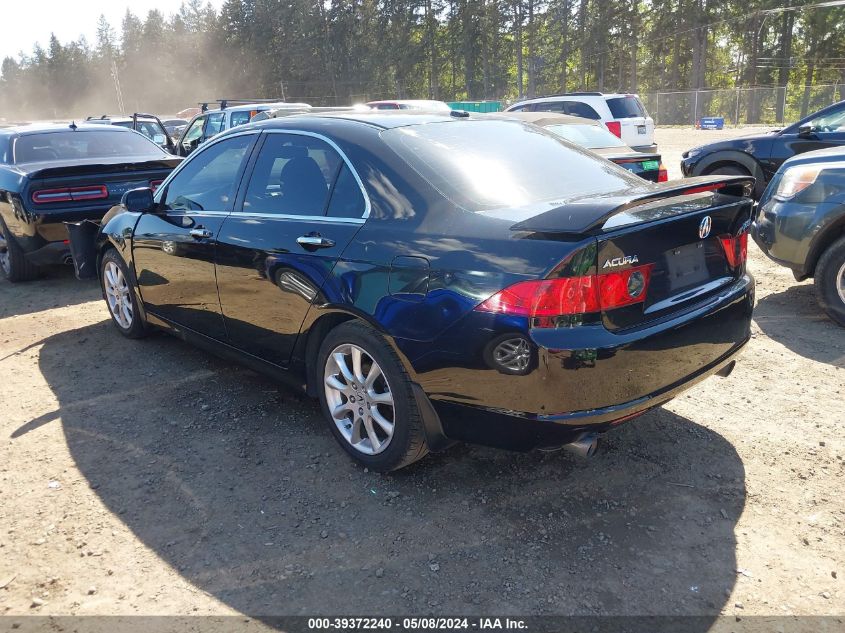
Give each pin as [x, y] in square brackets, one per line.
[335, 52]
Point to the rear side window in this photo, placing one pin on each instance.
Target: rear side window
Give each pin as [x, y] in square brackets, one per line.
[239, 118]
[291, 176]
[625, 107]
[573, 108]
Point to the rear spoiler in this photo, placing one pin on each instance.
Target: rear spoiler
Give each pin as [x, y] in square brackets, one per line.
[585, 215]
[38, 171]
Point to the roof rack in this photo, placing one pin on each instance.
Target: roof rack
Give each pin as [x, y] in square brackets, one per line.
[225, 103]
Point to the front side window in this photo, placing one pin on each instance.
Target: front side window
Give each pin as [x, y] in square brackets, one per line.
[82, 144]
[492, 164]
[830, 122]
[208, 181]
[292, 176]
[215, 124]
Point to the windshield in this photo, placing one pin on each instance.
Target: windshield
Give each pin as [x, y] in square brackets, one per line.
[589, 136]
[481, 165]
[32, 148]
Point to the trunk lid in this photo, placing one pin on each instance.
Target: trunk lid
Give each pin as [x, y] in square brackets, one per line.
[686, 252]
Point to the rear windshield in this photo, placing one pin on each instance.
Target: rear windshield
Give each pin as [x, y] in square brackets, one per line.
[589, 136]
[32, 148]
[482, 165]
[625, 107]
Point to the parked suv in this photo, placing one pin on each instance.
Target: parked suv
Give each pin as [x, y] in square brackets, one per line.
[800, 223]
[624, 115]
[210, 122]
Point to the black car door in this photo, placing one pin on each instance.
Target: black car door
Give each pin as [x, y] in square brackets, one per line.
[826, 130]
[173, 248]
[301, 207]
[192, 136]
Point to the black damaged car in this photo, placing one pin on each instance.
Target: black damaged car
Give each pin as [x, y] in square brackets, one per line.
[52, 174]
[760, 155]
[433, 278]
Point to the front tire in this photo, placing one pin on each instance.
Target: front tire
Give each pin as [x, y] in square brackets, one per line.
[367, 399]
[14, 265]
[120, 296]
[829, 281]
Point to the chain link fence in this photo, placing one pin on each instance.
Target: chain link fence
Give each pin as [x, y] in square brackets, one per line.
[741, 106]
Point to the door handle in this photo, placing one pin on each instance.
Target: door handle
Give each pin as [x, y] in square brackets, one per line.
[200, 233]
[314, 241]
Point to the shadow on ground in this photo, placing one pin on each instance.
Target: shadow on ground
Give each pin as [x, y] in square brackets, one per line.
[795, 319]
[241, 488]
[57, 287]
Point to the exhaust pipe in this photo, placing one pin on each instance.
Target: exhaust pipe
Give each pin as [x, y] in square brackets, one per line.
[585, 446]
[68, 259]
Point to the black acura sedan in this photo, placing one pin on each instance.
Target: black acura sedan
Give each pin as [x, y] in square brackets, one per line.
[52, 174]
[433, 278]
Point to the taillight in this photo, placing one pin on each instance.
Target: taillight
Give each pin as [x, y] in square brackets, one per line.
[68, 194]
[615, 127]
[736, 248]
[155, 184]
[545, 299]
[662, 173]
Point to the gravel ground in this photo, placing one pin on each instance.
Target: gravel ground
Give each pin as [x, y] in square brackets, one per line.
[146, 477]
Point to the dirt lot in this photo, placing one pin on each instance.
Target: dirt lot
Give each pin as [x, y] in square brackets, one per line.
[146, 477]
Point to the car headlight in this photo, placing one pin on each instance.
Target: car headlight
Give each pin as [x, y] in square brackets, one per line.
[692, 153]
[796, 179]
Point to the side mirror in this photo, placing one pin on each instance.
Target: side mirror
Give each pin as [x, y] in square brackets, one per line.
[138, 200]
[806, 131]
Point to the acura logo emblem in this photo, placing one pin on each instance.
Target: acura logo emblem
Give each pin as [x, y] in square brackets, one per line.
[705, 226]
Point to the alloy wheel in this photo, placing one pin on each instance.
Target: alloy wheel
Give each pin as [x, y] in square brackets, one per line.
[513, 354]
[117, 295]
[359, 399]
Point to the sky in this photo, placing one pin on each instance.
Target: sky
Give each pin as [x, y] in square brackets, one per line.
[26, 22]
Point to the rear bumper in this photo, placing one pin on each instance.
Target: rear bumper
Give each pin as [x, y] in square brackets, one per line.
[589, 379]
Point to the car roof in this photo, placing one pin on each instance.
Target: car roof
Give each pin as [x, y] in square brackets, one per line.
[383, 119]
[544, 119]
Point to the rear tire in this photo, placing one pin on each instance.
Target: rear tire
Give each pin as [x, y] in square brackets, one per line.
[829, 281]
[14, 265]
[367, 398]
[120, 296]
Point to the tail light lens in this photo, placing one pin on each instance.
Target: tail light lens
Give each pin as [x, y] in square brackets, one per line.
[544, 299]
[662, 173]
[70, 194]
[615, 127]
[155, 184]
[736, 248]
